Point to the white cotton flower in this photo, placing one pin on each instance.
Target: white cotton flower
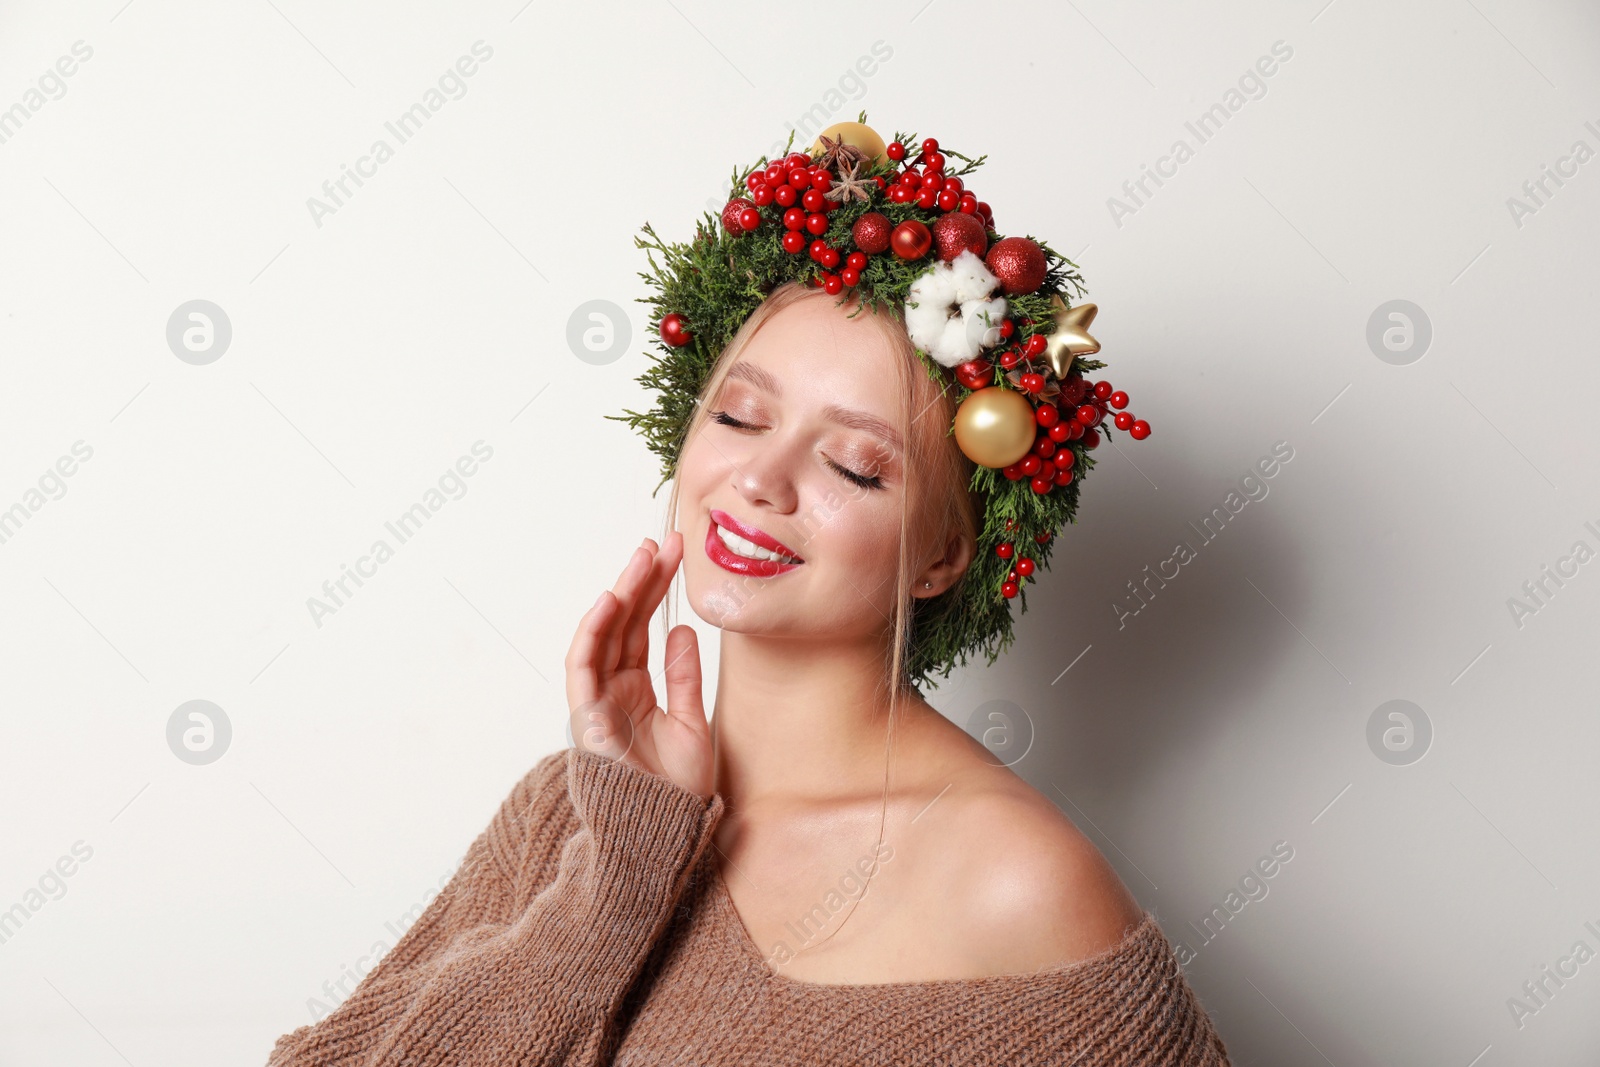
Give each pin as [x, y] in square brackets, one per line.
[928, 311]
[950, 313]
[973, 279]
[983, 320]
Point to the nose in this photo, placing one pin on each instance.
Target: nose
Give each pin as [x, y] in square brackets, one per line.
[766, 472]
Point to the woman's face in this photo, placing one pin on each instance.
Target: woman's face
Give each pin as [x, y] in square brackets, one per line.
[801, 449]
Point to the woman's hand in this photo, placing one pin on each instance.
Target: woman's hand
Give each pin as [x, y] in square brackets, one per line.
[609, 692]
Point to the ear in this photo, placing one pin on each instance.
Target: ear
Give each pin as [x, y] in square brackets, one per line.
[945, 571]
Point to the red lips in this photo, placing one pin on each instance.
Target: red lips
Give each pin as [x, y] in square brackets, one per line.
[750, 533]
[726, 558]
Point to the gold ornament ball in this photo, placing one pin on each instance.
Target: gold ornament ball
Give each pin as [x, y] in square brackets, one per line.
[858, 134]
[995, 426]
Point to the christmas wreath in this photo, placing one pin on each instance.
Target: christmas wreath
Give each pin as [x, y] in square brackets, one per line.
[989, 315]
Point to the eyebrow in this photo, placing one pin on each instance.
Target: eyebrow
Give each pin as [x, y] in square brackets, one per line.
[761, 378]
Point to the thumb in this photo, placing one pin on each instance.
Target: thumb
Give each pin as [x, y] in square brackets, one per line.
[685, 694]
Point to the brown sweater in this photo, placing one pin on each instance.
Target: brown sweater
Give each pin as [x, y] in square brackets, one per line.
[587, 926]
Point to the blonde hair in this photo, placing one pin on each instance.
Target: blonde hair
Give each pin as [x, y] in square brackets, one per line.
[937, 477]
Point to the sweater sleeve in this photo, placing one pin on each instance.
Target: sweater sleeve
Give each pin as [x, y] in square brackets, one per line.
[509, 964]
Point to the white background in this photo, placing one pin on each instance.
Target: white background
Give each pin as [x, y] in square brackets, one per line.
[430, 311]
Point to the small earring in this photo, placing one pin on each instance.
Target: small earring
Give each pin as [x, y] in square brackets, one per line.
[927, 585]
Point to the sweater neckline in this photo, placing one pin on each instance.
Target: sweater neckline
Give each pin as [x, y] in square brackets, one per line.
[1144, 932]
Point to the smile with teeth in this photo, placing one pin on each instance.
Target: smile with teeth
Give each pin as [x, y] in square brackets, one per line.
[741, 546]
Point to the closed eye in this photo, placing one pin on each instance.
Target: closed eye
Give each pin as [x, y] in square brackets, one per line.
[864, 481]
[873, 482]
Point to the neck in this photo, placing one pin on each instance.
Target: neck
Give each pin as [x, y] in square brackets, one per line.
[803, 718]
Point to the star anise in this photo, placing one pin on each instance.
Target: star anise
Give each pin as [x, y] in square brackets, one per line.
[835, 153]
[849, 185]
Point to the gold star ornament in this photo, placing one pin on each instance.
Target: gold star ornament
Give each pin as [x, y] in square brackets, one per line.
[1071, 337]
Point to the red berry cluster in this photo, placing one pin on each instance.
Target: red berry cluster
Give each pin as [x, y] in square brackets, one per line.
[1075, 415]
[795, 183]
[929, 187]
[1023, 566]
[799, 186]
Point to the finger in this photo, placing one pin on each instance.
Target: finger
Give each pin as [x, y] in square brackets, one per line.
[582, 663]
[609, 649]
[629, 627]
[636, 633]
[685, 695]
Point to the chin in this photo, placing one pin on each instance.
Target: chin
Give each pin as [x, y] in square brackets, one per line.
[726, 601]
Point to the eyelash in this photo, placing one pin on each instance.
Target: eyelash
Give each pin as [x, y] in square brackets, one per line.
[862, 480]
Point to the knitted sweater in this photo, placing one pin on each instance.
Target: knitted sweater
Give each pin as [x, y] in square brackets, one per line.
[587, 925]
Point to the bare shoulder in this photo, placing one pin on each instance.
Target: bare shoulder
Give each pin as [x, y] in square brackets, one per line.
[1035, 891]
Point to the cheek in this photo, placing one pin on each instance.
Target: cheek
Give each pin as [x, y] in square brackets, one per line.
[702, 470]
[694, 461]
[863, 535]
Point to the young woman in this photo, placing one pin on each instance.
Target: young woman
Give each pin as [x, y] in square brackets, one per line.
[824, 870]
[803, 442]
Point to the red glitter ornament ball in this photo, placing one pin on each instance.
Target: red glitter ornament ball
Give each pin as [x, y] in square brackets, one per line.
[1018, 263]
[732, 212]
[871, 233]
[956, 233]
